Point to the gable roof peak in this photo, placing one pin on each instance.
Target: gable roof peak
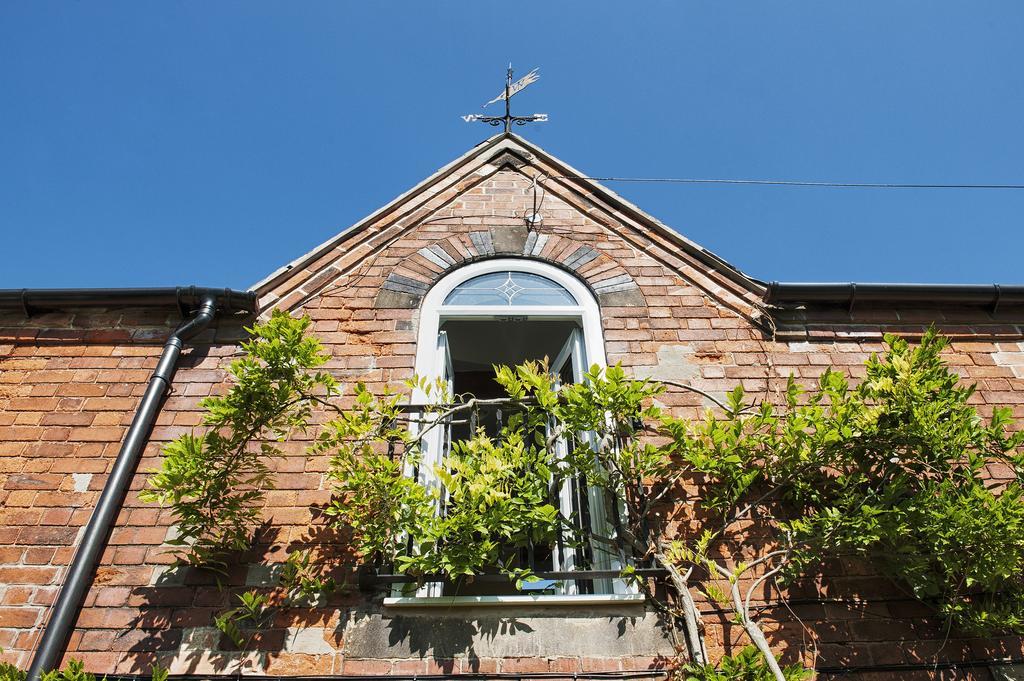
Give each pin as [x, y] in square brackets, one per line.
[485, 158]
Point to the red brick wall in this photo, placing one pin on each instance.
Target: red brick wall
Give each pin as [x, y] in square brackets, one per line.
[69, 384]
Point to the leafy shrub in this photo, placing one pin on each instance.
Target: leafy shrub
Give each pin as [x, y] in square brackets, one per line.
[8, 672]
[891, 471]
[75, 671]
[302, 578]
[746, 665]
[241, 623]
[215, 482]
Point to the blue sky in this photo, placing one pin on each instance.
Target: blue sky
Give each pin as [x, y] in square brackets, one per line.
[167, 143]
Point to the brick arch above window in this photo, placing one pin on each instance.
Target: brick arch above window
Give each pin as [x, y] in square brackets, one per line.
[409, 282]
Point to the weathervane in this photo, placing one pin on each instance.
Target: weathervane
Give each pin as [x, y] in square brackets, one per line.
[510, 89]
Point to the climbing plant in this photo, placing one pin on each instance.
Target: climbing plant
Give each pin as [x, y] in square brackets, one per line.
[8, 672]
[75, 671]
[893, 471]
[215, 481]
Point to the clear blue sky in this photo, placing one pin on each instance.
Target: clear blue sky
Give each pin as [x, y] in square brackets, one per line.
[166, 143]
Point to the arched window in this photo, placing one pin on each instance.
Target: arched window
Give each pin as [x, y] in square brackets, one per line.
[519, 297]
[509, 287]
[507, 311]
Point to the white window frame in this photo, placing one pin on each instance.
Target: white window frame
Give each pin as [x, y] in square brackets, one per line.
[431, 363]
[433, 312]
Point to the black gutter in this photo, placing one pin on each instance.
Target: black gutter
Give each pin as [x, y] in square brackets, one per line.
[64, 612]
[183, 297]
[990, 295]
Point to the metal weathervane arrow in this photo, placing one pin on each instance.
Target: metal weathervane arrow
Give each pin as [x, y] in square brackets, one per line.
[510, 89]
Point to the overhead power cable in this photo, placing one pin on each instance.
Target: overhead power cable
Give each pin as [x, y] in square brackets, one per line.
[789, 183]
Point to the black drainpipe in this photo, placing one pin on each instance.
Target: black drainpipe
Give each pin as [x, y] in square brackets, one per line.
[64, 613]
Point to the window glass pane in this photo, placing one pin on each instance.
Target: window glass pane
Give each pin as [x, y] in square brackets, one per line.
[509, 288]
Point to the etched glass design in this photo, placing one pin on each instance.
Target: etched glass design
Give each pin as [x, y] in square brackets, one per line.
[511, 289]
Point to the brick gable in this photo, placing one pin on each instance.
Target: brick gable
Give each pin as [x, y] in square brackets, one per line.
[494, 186]
[70, 383]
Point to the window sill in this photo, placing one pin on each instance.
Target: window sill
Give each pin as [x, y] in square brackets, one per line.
[517, 600]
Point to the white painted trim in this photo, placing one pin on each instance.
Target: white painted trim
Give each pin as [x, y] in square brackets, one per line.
[517, 600]
[432, 363]
[490, 311]
[433, 312]
[572, 352]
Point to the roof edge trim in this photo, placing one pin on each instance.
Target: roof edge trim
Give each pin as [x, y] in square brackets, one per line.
[439, 174]
[512, 142]
[789, 294]
[182, 297]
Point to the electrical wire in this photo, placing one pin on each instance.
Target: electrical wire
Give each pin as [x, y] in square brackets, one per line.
[538, 204]
[788, 183]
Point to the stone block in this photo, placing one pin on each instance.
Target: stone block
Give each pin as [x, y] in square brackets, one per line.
[262, 575]
[631, 297]
[169, 575]
[396, 300]
[509, 239]
[559, 632]
[81, 481]
[482, 242]
[310, 640]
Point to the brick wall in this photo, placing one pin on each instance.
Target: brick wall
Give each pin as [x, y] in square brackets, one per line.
[69, 384]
